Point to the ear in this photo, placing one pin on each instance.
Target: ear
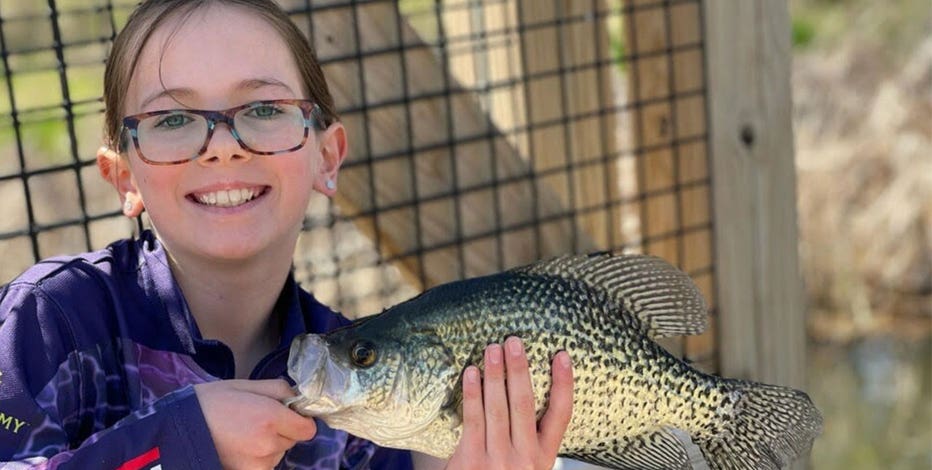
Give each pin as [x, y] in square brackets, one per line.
[114, 169]
[333, 151]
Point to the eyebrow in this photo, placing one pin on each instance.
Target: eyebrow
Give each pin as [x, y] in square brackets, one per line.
[178, 94]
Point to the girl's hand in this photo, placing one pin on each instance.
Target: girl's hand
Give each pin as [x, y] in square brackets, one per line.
[250, 426]
[500, 428]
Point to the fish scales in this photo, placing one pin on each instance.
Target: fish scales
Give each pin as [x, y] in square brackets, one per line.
[635, 405]
[568, 319]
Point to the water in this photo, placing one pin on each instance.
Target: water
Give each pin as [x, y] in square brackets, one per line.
[876, 397]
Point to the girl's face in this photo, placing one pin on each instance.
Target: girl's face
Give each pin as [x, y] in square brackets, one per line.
[222, 57]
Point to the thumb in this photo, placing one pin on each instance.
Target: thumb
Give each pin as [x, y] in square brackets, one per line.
[277, 389]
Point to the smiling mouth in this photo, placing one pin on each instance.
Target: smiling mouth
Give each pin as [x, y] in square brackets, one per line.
[228, 197]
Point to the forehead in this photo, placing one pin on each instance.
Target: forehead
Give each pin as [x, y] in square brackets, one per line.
[208, 56]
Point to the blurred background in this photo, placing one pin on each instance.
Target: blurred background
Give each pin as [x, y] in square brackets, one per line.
[862, 91]
[862, 120]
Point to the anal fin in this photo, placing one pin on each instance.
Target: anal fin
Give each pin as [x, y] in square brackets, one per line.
[663, 449]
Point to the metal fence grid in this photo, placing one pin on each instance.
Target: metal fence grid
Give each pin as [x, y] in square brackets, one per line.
[484, 134]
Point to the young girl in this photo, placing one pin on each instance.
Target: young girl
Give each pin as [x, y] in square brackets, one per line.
[169, 351]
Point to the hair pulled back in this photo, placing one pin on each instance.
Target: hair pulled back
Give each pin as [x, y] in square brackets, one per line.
[151, 14]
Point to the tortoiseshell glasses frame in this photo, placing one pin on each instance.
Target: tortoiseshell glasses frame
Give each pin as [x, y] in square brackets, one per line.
[275, 130]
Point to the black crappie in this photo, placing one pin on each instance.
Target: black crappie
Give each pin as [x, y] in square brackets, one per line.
[394, 378]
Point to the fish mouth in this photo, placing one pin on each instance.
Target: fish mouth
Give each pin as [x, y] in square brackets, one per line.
[333, 392]
[323, 386]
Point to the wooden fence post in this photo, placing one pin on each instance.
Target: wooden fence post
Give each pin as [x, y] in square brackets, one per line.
[762, 329]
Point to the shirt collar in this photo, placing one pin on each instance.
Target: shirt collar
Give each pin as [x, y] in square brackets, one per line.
[298, 311]
[160, 283]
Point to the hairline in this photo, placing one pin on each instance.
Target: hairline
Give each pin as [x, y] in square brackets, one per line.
[186, 10]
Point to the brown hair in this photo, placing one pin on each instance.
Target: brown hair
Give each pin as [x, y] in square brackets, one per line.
[150, 14]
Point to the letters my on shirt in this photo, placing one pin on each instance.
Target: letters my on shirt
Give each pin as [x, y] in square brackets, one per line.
[10, 423]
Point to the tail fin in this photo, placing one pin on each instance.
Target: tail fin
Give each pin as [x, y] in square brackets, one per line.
[771, 427]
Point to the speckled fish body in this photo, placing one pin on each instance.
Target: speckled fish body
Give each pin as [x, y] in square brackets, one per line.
[394, 378]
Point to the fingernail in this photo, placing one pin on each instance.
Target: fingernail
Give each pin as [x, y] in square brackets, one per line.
[494, 353]
[513, 344]
[472, 375]
[564, 358]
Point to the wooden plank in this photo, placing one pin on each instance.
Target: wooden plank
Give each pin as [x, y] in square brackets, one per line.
[562, 49]
[759, 289]
[665, 113]
[552, 118]
[388, 181]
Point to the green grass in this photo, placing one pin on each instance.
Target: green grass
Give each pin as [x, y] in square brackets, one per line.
[894, 26]
[45, 131]
[804, 31]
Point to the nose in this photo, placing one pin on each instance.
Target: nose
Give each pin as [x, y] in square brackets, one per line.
[223, 146]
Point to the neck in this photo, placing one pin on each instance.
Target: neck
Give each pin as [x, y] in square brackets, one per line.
[233, 303]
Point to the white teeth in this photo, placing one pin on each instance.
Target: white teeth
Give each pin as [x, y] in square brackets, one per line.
[227, 198]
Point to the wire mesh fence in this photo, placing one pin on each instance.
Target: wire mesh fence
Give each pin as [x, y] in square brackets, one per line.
[484, 134]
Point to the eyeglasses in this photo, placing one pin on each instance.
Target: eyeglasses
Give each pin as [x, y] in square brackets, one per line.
[174, 136]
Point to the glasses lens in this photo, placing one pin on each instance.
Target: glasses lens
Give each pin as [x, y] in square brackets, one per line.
[270, 127]
[172, 136]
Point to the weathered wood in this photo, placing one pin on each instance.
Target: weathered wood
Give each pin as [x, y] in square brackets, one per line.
[547, 64]
[762, 327]
[667, 112]
[386, 129]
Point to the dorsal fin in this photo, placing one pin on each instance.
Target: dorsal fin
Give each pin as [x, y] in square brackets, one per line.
[664, 298]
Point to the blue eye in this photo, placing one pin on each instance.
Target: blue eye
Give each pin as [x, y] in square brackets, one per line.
[173, 121]
[264, 111]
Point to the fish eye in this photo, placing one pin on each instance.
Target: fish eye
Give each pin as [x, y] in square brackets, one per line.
[363, 354]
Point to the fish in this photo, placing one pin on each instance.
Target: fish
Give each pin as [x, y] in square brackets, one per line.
[395, 378]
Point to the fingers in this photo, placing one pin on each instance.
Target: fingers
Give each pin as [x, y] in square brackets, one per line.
[295, 427]
[277, 389]
[240, 411]
[495, 401]
[473, 412]
[499, 418]
[554, 422]
[520, 396]
[288, 423]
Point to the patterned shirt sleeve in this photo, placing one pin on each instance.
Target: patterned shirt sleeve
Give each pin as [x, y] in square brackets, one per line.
[49, 399]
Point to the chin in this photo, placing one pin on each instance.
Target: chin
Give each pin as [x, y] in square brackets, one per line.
[236, 250]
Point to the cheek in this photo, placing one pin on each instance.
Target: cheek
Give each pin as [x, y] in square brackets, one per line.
[301, 171]
[154, 185]
[159, 191]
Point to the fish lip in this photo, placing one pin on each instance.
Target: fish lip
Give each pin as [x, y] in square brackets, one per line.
[325, 387]
[306, 359]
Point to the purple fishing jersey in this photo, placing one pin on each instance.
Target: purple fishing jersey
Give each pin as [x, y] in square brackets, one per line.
[98, 358]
